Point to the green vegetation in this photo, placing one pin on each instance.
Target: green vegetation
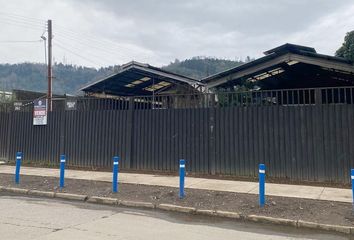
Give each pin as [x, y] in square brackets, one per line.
[69, 78]
[200, 67]
[33, 77]
[347, 49]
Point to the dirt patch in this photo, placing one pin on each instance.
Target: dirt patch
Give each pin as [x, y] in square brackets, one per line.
[327, 212]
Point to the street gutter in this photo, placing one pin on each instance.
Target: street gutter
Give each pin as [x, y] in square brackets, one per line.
[186, 210]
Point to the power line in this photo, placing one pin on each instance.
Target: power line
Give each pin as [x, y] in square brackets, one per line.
[20, 41]
[102, 41]
[13, 15]
[87, 59]
[104, 57]
[112, 54]
[23, 21]
[78, 50]
[21, 24]
[101, 47]
[104, 46]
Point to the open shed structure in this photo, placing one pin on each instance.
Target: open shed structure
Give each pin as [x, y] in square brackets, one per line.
[138, 79]
[143, 86]
[288, 66]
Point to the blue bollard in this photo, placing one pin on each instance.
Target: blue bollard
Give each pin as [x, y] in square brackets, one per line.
[115, 174]
[182, 173]
[62, 171]
[261, 185]
[352, 177]
[18, 166]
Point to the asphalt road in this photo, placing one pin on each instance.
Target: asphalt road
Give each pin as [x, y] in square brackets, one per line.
[35, 218]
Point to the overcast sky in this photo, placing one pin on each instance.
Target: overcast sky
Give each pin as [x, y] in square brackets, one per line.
[108, 32]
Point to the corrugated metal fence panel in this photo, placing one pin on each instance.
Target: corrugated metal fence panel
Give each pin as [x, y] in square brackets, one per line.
[301, 143]
[38, 143]
[298, 142]
[92, 138]
[163, 136]
[338, 142]
[4, 117]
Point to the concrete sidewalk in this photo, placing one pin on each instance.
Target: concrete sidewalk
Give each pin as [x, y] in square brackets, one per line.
[284, 190]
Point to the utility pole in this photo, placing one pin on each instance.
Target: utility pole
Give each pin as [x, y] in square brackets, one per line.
[50, 76]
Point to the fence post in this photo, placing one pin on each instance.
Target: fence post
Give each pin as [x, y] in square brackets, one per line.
[130, 134]
[261, 185]
[62, 117]
[9, 131]
[62, 170]
[18, 166]
[318, 96]
[212, 149]
[182, 169]
[115, 174]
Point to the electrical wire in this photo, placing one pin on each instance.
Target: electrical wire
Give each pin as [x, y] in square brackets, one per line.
[107, 48]
[102, 49]
[76, 49]
[23, 21]
[111, 54]
[76, 54]
[21, 24]
[105, 43]
[21, 16]
[20, 41]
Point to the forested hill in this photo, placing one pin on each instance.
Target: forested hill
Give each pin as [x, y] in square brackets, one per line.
[200, 67]
[69, 78]
[33, 77]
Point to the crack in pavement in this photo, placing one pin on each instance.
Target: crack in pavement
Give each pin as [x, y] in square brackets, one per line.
[319, 197]
[252, 189]
[30, 226]
[74, 226]
[28, 220]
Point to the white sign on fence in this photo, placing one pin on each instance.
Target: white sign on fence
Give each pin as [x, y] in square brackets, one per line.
[40, 112]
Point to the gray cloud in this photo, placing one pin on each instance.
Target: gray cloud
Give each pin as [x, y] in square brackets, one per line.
[158, 31]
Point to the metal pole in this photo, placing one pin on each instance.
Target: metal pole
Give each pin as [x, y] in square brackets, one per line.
[62, 170]
[182, 167]
[261, 185]
[50, 77]
[18, 166]
[115, 174]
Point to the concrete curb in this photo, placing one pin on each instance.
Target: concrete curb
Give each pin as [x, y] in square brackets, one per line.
[175, 208]
[226, 214]
[70, 196]
[103, 200]
[205, 212]
[264, 219]
[326, 227]
[15, 190]
[136, 204]
[41, 193]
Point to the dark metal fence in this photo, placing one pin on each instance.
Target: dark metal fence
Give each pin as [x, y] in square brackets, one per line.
[301, 134]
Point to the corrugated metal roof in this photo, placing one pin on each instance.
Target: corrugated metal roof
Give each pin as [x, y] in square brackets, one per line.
[275, 53]
[136, 78]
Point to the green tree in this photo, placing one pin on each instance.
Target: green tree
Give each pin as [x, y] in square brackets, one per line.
[347, 49]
